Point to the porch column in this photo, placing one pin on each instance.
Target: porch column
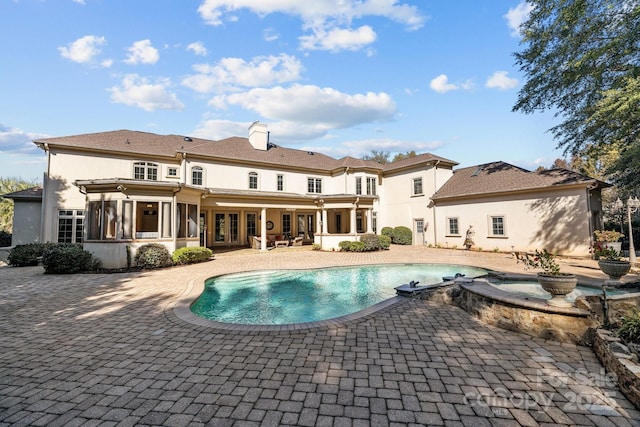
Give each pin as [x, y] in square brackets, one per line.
[263, 229]
[325, 223]
[369, 213]
[352, 223]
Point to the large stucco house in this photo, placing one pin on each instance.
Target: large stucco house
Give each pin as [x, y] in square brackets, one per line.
[115, 191]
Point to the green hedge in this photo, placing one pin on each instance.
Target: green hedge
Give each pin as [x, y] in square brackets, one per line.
[26, 255]
[191, 255]
[153, 255]
[5, 239]
[387, 231]
[68, 259]
[402, 235]
[385, 242]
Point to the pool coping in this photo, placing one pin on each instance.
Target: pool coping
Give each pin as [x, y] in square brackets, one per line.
[182, 310]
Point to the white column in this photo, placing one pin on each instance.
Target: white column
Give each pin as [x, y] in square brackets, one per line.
[325, 224]
[369, 220]
[263, 229]
[352, 223]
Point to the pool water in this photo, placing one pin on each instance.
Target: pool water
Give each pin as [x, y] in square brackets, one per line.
[299, 296]
[531, 288]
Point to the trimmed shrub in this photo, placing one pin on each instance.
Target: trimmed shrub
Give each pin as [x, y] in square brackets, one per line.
[5, 239]
[68, 259]
[357, 247]
[191, 255]
[402, 235]
[371, 242]
[26, 255]
[315, 247]
[153, 255]
[385, 242]
[344, 245]
[387, 231]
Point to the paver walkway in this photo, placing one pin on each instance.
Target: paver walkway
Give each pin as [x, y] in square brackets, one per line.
[107, 349]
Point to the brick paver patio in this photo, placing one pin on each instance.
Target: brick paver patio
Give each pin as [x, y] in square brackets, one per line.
[108, 350]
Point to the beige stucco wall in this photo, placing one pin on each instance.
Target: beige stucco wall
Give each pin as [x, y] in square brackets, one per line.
[558, 222]
[398, 205]
[27, 217]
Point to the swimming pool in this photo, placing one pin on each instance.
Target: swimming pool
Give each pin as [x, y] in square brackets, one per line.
[281, 297]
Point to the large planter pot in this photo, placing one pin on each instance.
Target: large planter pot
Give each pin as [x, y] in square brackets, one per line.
[558, 286]
[613, 268]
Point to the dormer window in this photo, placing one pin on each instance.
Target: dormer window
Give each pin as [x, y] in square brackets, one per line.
[253, 181]
[145, 171]
[196, 175]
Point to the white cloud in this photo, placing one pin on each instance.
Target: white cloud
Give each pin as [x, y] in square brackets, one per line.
[326, 18]
[270, 34]
[17, 141]
[83, 50]
[142, 52]
[236, 72]
[337, 39]
[517, 16]
[139, 92]
[501, 80]
[441, 84]
[197, 48]
[79, 2]
[312, 105]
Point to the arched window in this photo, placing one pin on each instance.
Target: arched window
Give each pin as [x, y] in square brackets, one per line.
[145, 171]
[196, 175]
[253, 181]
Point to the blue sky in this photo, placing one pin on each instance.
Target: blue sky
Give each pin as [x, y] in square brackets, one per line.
[342, 77]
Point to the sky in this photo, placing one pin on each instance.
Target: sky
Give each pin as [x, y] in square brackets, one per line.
[341, 77]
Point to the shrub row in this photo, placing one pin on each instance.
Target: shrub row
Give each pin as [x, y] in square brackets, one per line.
[155, 255]
[367, 243]
[68, 258]
[400, 235]
[57, 258]
[5, 239]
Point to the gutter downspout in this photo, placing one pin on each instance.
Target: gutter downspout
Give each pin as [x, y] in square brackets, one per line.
[45, 192]
[591, 187]
[435, 189]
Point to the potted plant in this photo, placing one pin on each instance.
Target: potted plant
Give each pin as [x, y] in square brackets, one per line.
[609, 238]
[551, 279]
[609, 261]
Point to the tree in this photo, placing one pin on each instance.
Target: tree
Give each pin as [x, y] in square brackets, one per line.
[9, 185]
[381, 157]
[401, 156]
[581, 58]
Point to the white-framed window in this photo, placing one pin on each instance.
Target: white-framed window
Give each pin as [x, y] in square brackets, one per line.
[358, 185]
[453, 226]
[172, 172]
[371, 186]
[280, 182]
[145, 171]
[374, 221]
[197, 174]
[253, 180]
[417, 187]
[70, 224]
[314, 185]
[497, 226]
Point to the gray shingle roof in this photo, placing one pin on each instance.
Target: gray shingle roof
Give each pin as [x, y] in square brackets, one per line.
[501, 177]
[229, 149]
[34, 193]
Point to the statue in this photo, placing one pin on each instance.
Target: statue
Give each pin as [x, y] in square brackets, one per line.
[468, 241]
